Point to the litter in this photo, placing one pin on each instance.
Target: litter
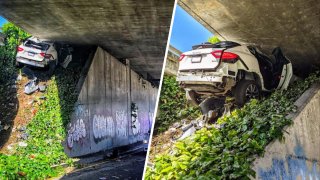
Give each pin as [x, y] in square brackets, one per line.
[42, 88]
[31, 86]
[22, 144]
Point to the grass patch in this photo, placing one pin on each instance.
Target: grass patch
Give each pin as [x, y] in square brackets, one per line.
[227, 153]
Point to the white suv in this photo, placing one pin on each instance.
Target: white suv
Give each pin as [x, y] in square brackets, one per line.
[38, 53]
[228, 68]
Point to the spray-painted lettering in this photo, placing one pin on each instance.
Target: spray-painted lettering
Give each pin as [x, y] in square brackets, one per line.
[122, 123]
[102, 127]
[76, 132]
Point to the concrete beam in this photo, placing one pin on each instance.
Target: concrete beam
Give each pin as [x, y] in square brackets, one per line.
[292, 25]
[136, 30]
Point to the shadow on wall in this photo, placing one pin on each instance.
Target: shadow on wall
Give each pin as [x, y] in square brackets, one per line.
[296, 166]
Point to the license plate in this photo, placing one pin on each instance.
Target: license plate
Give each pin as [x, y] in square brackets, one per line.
[31, 54]
[196, 59]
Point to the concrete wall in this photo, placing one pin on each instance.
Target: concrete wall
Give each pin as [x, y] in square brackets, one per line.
[102, 115]
[172, 62]
[298, 157]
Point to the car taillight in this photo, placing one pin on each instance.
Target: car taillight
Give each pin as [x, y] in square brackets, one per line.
[19, 49]
[217, 53]
[181, 57]
[46, 55]
[225, 56]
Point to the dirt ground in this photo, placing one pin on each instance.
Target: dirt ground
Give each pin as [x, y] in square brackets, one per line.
[16, 111]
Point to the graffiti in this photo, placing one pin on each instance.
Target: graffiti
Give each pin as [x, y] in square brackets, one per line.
[122, 123]
[134, 119]
[76, 132]
[293, 167]
[102, 127]
[81, 111]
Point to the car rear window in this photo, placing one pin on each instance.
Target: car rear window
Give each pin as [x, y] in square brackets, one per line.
[41, 46]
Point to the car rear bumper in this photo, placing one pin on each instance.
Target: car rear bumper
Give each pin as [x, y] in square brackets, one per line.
[32, 62]
[198, 78]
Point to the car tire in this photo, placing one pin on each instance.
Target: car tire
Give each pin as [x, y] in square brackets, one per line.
[191, 98]
[52, 67]
[246, 90]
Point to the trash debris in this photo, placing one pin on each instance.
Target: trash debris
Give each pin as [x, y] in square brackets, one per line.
[6, 127]
[43, 97]
[42, 88]
[10, 147]
[19, 78]
[22, 144]
[22, 128]
[11, 104]
[31, 86]
[102, 178]
[31, 102]
[24, 136]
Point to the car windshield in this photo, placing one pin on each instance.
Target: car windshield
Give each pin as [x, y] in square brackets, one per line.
[41, 46]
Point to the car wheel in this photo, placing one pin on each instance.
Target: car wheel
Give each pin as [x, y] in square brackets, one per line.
[246, 90]
[191, 98]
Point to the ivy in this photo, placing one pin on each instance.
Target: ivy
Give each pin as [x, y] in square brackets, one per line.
[228, 152]
[44, 153]
[172, 105]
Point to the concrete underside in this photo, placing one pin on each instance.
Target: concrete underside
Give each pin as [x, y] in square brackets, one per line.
[136, 30]
[292, 25]
[298, 156]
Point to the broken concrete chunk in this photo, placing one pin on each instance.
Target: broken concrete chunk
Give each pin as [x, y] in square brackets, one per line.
[6, 127]
[31, 86]
[42, 88]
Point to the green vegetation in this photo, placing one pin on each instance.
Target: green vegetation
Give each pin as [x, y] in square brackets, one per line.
[44, 154]
[14, 35]
[46, 132]
[227, 153]
[213, 40]
[172, 105]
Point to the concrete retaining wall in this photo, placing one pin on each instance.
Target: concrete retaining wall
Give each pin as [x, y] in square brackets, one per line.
[102, 117]
[298, 156]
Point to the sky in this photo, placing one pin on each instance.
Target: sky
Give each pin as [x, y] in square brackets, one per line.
[187, 32]
[2, 21]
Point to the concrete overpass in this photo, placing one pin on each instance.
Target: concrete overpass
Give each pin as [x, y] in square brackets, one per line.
[135, 30]
[115, 105]
[292, 25]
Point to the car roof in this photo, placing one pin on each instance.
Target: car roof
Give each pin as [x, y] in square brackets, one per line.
[37, 40]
